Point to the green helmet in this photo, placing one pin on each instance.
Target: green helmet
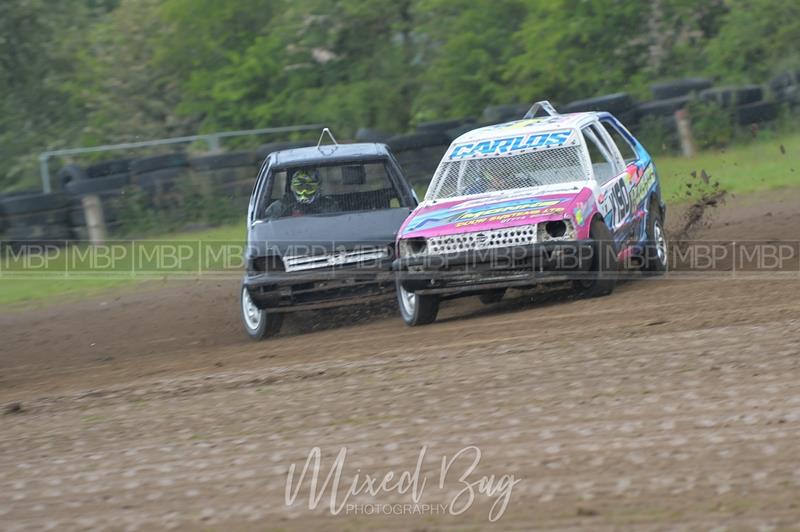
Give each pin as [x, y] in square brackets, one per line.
[305, 186]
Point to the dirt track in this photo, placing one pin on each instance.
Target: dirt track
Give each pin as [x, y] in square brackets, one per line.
[672, 403]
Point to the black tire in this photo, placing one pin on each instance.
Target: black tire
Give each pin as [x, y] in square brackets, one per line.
[492, 296]
[756, 113]
[417, 140]
[159, 162]
[98, 185]
[257, 323]
[37, 234]
[602, 274]
[679, 87]
[69, 174]
[662, 107]
[495, 114]
[225, 160]
[158, 181]
[3, 221]
[108, 168]
[749, 94]
[416, 309]
[656, 252]
[33, 202]
[365, 134]
[732, 96]
[615, 104]
[454, 133]
[783, 81]
[441, 126]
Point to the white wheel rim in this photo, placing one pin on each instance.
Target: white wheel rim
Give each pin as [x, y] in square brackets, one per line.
[408, 300]
[661, 243]
[250, 312]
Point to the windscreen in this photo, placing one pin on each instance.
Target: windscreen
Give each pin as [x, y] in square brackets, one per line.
[477, 176]
[329, 189]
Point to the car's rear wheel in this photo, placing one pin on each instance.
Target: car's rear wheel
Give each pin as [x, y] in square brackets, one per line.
[656, 251]
[602, 275]
[492, 296]
[417, 309]
[258, 324]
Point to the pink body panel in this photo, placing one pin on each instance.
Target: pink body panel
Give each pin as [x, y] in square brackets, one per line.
[489, 211]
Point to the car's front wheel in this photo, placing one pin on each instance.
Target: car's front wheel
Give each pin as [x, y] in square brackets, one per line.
[602, 275]
[492, 296]
[656, 252]
[258, 324]
[416, 309]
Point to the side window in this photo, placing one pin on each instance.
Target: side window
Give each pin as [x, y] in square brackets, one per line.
[599, 154]
[625, 148]
[274, 189]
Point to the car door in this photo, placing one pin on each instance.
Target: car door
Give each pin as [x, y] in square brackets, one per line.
[612, 179]
[639, 166]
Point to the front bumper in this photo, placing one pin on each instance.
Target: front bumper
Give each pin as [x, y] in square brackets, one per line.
[504, 267]
[319, 289]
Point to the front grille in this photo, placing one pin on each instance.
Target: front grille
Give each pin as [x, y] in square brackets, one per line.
[297, 263]
[495, 238]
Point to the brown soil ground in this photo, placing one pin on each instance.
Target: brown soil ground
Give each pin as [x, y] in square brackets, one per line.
[673, 403]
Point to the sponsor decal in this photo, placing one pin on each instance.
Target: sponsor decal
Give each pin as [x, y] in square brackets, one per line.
[506, 208]
[639, 192]
[510, 216]
[507, 145]
[499, 213]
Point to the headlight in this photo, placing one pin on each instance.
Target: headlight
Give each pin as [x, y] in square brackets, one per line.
[556, 230]
[412, 246]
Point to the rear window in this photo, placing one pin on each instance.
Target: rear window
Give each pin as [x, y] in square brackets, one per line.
[338, 189]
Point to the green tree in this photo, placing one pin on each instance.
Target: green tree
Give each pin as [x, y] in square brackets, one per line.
[466, 46]
[38, 43]
[757, 38]
[127, 92]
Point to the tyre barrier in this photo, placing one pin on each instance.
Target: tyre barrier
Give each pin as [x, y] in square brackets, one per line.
[442, 126]
[365, 134]
[158, 162]
[35, 218]
[782, 82]
[415, 141]
[496, 114]
[662, 107]
[419, 154]
[616, 104]
[727, 97]
[68, 174]
[454, 133]
[158, 182]
[108, 168]
[756, 113]
[680, 87]
[3, 223]
[225, 160]
[109, 189]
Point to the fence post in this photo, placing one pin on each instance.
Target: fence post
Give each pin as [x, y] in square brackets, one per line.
[95, 221]
[44, 170]
[685, 136]
[213, 144]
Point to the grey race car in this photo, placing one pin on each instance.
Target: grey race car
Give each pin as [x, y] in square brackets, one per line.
[321, 228]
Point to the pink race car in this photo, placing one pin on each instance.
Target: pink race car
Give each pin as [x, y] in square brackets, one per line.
[558, 198]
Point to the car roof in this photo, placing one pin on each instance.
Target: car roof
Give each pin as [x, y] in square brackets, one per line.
[529, 126]
[330, 154]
